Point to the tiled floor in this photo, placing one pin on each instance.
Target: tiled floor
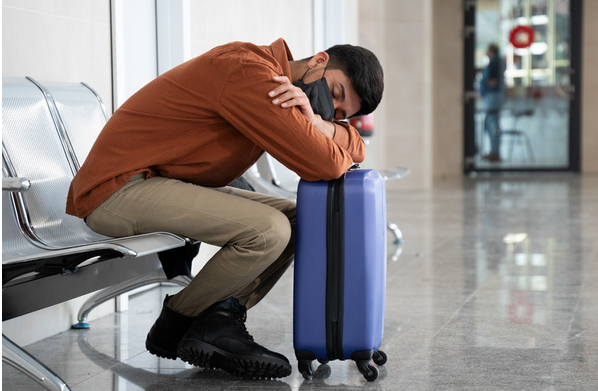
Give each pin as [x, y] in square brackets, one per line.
[495, 288]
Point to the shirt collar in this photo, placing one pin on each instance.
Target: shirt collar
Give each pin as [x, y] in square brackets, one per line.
[282, 53]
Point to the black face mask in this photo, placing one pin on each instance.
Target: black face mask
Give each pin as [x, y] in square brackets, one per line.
[319, 96]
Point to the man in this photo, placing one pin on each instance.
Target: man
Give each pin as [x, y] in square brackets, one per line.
[165, 158]
[492, 89]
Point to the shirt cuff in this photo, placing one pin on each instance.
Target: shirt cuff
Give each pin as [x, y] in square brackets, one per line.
[341, 136]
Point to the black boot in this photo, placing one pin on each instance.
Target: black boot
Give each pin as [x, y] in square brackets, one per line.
[219, 339]
[165, 335]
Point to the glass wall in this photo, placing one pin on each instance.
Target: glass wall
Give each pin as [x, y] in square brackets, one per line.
[522, 78]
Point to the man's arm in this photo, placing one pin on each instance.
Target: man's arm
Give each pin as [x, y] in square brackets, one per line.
[286, 134]
[350, 140]
[287, 95]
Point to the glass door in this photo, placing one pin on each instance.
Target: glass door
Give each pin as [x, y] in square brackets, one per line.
[521, 109]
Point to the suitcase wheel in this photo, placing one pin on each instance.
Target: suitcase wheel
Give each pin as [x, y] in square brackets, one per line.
[380, 358]
[306, 368]
[369, 372]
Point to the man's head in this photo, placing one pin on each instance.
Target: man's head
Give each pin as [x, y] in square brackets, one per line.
[354, 75]
[363, 70]
[492, 50]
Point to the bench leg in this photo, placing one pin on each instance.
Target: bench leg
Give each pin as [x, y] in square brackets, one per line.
[117, 290]
[15, 356]
[396, 231]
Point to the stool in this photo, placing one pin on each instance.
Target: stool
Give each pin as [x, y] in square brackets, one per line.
[518, 134]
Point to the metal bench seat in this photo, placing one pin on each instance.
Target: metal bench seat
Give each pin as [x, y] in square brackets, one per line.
[34, 148]
[17, 248]
[81, 115]
[41, 244]
[18, 252]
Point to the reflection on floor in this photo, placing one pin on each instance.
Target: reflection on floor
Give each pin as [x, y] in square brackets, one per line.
[535, 134]
[495, 289]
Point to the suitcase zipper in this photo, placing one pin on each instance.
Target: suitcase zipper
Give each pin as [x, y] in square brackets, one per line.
[335, 267]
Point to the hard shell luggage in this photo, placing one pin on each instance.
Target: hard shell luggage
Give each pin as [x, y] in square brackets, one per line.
[340, 271]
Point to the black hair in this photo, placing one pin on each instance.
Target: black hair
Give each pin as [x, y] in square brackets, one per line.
[493, 48]
[363, 69]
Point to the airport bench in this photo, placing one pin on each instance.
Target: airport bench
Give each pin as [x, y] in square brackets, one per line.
[49, 257]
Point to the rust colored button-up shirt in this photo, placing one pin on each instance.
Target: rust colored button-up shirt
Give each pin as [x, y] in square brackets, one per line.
[206, 122]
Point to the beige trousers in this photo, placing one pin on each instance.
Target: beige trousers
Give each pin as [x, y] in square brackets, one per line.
[255, 232]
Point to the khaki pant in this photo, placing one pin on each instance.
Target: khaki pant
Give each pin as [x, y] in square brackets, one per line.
[255, 232]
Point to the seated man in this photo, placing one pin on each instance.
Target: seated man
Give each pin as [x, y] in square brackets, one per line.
[164, 160]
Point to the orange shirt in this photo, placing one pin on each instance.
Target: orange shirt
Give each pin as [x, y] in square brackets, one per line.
[206, 122]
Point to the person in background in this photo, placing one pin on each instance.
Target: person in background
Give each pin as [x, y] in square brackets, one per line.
[492, 90]
[164, 160]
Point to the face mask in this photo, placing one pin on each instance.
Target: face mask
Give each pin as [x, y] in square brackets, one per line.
[319, 96]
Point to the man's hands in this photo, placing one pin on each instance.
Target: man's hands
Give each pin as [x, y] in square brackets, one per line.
[287, 95]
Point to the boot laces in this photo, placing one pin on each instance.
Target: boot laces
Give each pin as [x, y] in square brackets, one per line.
[240, 317]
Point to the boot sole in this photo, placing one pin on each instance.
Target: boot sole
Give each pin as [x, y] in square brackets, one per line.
[209, 357]
[156, 351]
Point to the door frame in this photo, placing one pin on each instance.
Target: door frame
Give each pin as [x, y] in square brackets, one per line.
[470, 94]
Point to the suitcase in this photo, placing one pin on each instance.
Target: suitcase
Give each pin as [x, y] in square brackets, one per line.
[340, 272]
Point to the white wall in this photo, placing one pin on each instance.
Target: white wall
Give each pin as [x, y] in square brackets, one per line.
[344, 14]
[400, 32]
[447, 88]
[215, 23]
[134, 48]
[58, 40]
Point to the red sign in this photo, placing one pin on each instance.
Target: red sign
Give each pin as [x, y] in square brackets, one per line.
[522, 37]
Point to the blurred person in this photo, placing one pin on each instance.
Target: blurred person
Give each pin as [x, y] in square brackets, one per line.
[164, 160]
[492, 90]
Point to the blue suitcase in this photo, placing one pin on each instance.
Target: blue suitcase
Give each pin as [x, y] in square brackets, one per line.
[340, 271]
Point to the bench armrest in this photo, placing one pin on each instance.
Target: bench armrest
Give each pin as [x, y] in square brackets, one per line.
[394, 173]
[16, 184]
